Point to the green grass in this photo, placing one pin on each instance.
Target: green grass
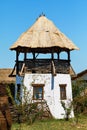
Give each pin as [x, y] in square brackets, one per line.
[53, 124]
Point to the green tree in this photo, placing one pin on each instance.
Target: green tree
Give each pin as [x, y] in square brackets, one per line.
[79, 97]
[78, 88]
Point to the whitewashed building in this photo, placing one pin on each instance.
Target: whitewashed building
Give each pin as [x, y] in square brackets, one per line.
[42, 70]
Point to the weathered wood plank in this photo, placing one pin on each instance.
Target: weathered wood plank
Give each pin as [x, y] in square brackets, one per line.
[45, 66]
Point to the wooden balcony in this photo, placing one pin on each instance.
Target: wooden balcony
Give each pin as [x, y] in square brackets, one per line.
[44, 66]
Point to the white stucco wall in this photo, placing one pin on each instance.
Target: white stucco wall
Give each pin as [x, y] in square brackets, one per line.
[52, 96]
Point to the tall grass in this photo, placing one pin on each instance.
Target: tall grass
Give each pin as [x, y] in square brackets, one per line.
[53, 124]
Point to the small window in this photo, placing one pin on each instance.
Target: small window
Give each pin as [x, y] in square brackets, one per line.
[38, 91]
[62, 91]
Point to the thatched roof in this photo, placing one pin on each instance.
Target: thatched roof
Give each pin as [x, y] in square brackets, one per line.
[4, 76]
[81, 75]
[42, 37]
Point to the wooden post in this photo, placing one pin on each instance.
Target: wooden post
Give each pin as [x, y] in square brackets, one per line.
[53, 69]
[17, 62]
[52, 55]
[68, 52]
[25, 56]
[33, 71]
[58, 55]
[33, 56]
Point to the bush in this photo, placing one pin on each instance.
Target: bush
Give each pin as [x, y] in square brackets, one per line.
[25, 110]
[80, 104]
[67, 108]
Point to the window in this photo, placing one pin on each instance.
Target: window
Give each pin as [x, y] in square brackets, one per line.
[62, 91]
[38, 91]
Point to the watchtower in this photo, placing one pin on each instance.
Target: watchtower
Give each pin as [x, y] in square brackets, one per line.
[42, 70]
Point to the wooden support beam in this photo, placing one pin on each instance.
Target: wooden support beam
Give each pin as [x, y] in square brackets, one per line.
[52, 55]
[13, 70]
[58, 55]
[17, 63]
[33, 55]
[53, 69]
[22, 69]
[25, 56]
[68, 52]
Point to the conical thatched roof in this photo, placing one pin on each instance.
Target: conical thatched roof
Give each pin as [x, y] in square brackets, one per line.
[43, 36]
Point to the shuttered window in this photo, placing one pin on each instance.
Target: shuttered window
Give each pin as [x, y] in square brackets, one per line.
[62, 91]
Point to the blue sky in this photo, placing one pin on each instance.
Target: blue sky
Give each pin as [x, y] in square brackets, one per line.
[70, 16]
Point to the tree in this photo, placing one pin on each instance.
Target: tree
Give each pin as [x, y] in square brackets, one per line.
[78, 88]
